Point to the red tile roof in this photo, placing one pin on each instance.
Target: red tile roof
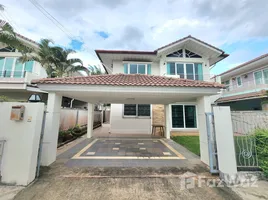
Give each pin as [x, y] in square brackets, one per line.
[242, 65]
[261, 93]
[129, 80]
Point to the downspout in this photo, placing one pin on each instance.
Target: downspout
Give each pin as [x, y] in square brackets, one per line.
[71, 105]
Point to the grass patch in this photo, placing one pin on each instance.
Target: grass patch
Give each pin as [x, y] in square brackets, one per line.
[189, 142]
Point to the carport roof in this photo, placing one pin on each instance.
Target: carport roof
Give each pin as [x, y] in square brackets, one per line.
[129, 80]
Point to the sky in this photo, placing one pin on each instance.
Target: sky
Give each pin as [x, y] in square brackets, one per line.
[239, 27]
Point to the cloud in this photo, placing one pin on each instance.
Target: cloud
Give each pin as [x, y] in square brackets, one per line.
[145, 25]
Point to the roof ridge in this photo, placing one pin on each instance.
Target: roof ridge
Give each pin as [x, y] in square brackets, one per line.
[243, 64]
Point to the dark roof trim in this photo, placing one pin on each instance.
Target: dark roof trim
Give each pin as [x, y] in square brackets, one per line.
[125, 52]
[102, 62]
[244, 64]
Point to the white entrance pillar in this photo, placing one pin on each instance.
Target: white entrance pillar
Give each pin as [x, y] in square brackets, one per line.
[90, 120]
[168, 129]
[225, 138]
[203, 106]
[50, 140]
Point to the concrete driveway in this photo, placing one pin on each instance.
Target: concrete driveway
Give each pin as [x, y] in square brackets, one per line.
[164, 179]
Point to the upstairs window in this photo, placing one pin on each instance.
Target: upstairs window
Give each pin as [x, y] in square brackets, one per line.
[191, 71]
[137, 110]
[261, 77]
[238, 81]
[11, 67]
[137, 68]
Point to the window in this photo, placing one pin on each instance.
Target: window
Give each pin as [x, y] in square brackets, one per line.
[8, 49]
[239, 81]
[189, 54]
[183, 116]
[11, 67]
[258, 77]
[191, 71]
[178, 54]
[134, 68]
[227, 84]
[137, 110]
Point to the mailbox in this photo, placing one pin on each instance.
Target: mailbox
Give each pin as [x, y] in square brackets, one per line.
[17, 113]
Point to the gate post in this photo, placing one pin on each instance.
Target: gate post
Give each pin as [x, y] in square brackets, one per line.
[225, 143]
[203, 106]
[90, 120]
[51, 131]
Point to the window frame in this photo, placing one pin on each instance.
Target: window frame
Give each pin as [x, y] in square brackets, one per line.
[240, 81]
[184, 122]
[137, 63]
[184, 69]
[137, 114]
[14, 66]
[262, 76]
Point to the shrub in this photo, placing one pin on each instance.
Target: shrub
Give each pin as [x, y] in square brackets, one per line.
[261, 138]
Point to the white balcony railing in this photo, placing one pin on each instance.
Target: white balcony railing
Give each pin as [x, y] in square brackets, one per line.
[17, 77]
[249, 86]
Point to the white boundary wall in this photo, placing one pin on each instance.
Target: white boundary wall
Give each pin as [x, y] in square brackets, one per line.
[22, 142]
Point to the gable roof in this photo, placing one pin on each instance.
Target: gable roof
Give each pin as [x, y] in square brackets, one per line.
[244, 64]
[189, 37]
[129, 80]
[215, 54]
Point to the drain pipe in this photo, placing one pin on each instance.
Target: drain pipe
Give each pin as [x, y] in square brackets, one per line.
[71, 105]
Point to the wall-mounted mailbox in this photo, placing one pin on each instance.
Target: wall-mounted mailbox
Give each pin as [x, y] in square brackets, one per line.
[17, 113]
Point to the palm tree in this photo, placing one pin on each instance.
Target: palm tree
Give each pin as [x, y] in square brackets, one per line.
[94, 70]
[65, 66]
[8, 37]
[55, 59]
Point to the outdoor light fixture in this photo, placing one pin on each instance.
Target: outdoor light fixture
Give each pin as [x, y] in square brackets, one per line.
[34, 98]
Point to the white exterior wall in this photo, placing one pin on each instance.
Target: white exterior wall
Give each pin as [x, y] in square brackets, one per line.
[22, 142]
[119, 124]
[128, 125]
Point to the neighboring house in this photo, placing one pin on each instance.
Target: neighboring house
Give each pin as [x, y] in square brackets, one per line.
[15, 77]
[187, 58]
[246, 85]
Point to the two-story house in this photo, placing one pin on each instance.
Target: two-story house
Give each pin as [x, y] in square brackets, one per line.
[188, 58]
[246, 85]
[15, 77]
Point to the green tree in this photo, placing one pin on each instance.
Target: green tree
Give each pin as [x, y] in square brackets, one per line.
[94, 70]
[8, 37]
[55, 59]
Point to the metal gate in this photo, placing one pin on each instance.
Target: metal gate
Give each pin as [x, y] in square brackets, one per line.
[245, 124]
[212, 146]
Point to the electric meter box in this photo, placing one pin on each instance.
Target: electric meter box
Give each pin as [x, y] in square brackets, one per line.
[17, 113]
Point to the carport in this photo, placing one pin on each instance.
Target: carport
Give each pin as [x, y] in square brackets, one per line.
[123, 89]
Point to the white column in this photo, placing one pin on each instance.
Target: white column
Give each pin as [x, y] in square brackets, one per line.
[50, 140]
[168, 122]
[203, 106]
[225, 138]
[90, 120]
